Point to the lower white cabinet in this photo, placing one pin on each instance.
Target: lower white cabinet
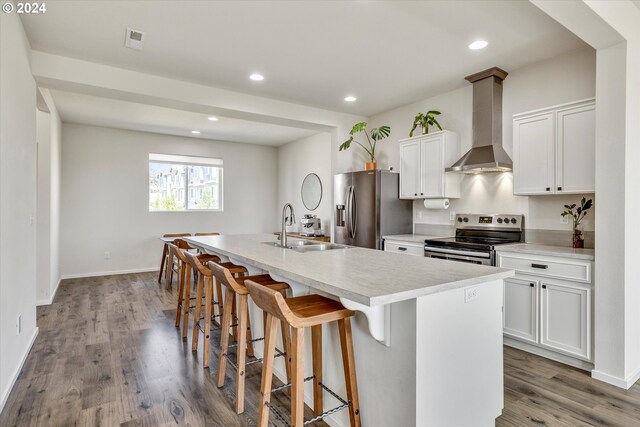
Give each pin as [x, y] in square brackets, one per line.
[520, 319]
[565, 319]
[547, 311]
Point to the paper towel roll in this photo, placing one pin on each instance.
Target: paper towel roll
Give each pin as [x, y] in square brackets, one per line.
[436, 203]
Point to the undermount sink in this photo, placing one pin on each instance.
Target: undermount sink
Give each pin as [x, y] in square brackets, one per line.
[319, 247]
[307, 245]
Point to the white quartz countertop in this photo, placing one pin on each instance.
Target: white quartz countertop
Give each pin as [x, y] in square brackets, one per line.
[415, 238]
[367, 276]
[530, 248]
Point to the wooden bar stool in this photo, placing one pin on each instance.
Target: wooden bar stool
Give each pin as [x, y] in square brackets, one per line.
[302, 312]
[235, 287]
[205, 286]
[165, 252]
[177, 249]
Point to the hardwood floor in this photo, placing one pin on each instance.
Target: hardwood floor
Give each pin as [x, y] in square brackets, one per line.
[108, 354]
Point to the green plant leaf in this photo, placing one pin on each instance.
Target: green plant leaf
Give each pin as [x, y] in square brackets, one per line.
[345, 145]
[358, 127]
[433, 112]
[380, 133]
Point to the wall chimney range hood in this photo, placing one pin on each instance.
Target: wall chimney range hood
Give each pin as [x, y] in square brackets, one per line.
[486, 154]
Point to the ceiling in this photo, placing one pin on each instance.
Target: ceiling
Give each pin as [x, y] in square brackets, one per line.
[313, 53]
[97, 111]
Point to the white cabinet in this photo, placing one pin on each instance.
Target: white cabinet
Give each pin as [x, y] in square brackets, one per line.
[554, 150]
[401, 247]
[410, 180]
[423, 160]
[564, 319]
[547, 306]
[520, 319]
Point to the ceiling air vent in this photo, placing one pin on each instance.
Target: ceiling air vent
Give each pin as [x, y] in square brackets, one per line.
[134, 39]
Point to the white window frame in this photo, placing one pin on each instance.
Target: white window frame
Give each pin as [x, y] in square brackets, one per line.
[187, 161]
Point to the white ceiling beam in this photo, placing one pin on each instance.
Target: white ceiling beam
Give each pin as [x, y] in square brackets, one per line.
[74, 75]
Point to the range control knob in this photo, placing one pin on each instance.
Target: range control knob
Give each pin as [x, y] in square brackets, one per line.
[506, 220]
[499, 220]
[459, 219]
[513, 220]
[465, 219]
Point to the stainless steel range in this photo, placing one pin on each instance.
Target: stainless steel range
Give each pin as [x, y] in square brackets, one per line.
[477, 237]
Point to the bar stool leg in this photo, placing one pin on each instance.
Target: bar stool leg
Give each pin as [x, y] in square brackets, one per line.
[162, 261]
[186, 299]
[242, 353]
[348, 361]
[180, 295]
[286, 342]
[208, 301]
[316, 349]
[267, 370]
[297, 377]
[234, 315]
[196, 317]
[224, 336]
[219, 299]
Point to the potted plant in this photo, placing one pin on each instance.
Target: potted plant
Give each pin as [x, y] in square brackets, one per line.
[376, 135]
[578, 215]
[424, 120]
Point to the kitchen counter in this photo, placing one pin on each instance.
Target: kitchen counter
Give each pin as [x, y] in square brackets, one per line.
[534, 249]
[414, 238]
[366, 276]
[429, 330]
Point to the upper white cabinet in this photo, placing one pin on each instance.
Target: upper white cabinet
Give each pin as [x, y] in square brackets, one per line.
[554, 150]
[423, 160]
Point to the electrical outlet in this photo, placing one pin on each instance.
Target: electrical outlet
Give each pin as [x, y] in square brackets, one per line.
[19, 324]
[107, 255]
[564, 219]
[452, 216]
[470, 294]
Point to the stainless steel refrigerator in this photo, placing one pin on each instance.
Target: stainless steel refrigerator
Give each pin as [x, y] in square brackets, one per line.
[367, 206]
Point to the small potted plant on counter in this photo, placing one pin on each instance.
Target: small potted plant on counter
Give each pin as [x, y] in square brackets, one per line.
[424, 120]
[377, 134]
[578, 215]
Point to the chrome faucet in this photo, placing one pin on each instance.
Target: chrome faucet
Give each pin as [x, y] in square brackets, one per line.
[286, 220]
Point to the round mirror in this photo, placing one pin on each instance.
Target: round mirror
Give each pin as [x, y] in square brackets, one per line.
[311, 191]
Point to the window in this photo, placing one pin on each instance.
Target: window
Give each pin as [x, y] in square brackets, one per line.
[183, 183]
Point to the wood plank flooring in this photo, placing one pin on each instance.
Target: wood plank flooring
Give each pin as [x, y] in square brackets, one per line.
[108, 354]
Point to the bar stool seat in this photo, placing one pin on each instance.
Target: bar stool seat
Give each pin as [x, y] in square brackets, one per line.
[299, 313]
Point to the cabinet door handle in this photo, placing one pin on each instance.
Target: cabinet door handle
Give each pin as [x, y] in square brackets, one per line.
[548, 188]
[422, 194]
[533, 285]
[542, 266]
[559, 188]
[415, 194]
[544, 286]
[402, 249]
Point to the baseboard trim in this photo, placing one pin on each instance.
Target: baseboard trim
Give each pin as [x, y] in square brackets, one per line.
[109, 273]
[624, 383]
[16, 373]
[53, 296]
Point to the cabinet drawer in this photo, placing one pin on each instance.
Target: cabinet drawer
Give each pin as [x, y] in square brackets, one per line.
[566, 269]
[404, 248]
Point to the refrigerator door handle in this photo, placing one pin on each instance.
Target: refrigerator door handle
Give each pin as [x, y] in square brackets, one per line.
[348, 210]
[354, 212]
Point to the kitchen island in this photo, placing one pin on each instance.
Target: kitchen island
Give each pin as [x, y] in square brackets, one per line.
[443, 328]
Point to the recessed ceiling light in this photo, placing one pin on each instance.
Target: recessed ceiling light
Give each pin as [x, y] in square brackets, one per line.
[257, 77]
[196, 132]
[213, 119]
[350, 98]
[478, 44]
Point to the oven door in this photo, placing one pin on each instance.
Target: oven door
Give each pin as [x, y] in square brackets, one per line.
[472, 257]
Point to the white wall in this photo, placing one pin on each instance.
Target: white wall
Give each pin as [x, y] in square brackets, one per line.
[558, 80]
[297, 159]
[17, 201]
[48, 201]
[105, 196]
